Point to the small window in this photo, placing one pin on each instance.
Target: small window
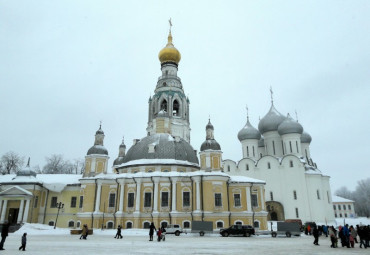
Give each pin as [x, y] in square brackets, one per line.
[268, 165]
[256, 224]
[129, 225]
[218, 201]
[164, 224]
[296, 213]
[349, 207]
[186, 224]
[71, 224]
[247, 151]
[318, 194]
[228, 168]
[146, 225]
[112, 200]
[290, 145]
[164, 200]
[253, 152]
[339, 207]
[220, 224]
[36, 202]
[186, 199]
[345, 215]
[237, 200]
[147, 199]
[335, 208]
[110, 225]
[291, 163]
[51, 223]
[130, 199]
[238, 223]
[73, 202]
[78, 224]
[344, 207]
[340, 215]
[53, 203]
[271, 196]
[81, 201]
[295, 195]
[336, 216]
[247, 167]
[254, 200]
[273, 147]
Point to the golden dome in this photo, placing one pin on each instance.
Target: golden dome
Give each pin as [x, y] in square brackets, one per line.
[169, 53]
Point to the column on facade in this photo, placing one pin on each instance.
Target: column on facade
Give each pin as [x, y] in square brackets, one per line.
[138, 195]
[1, 203]
[174, 180]
[156, 182]
[122, 193]
[2, 218]
[25, 215]
[197, 188]
[98, 194]
[248, 198]
[20, 213]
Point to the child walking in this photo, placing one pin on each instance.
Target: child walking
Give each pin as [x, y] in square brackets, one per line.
[24, 241]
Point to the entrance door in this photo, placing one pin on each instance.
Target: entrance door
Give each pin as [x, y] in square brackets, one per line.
[13, 215]
[274, 216]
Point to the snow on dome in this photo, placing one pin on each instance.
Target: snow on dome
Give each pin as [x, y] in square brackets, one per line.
[97, 149]
[305, 137]
[210, 144]
[271, 121]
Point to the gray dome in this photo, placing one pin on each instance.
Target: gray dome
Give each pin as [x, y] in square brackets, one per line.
[209, 125]
[100, 131]
[118, 161]
[97, 149]
[210, 144]
[271, 121]
[305, 137]
[165, 147]
[289, 126]
[248, 132]
[261, 142]
[26, 172]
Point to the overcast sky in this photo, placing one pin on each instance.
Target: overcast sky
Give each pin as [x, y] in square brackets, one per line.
[66, 65]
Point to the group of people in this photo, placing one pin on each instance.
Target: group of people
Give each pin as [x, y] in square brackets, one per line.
[4, 234]
[347, 235]
[161, 233]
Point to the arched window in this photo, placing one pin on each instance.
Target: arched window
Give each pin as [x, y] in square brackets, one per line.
[273, 147]
[295, 195]
[176, 108]
[291, 163]
[128, 225]
[146, 224]
[247, 151]
[78, 224]
[247, 167]
[71, 224]
[271, 196]
[219, 224]
[290, 145]
[164, 105]
[110, 225]
[51, 223]
[256, 224]
[228, 168]
[238, 223]
[253, 152]
[268, 165]
[164, 224]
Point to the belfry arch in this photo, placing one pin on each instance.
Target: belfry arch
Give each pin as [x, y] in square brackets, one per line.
[275, 211]
[176, 108]
[164, 105]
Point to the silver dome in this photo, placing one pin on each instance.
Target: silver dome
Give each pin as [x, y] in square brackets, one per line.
[271, 121]
[248, 132]
[97, 149]
[209, 125]
[165, 147]
[290, 126]
[305, 137]
[210, 144]
[26, 172]
[118, 161]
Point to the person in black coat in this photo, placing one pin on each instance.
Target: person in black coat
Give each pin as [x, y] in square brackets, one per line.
[118, 234]
[151, 231]
[24, 242]
[315, 233]
[4, 234]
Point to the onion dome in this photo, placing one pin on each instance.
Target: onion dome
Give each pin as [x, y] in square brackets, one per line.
[169, 54]
[290, 126]
[248, 132]
[305, 137]
[161, 146]
[209, 125]
[97, 149]
[26, 171]
[210, 143]
[261, 142]
[100, 131]
[271, 121]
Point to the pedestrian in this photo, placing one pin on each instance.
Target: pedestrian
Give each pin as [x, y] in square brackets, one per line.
[309, 229]
[118, 234]
[346, 236]
[163, 234]
[151, 231]
[159, 232]
[24, 241]
[315, 233]
[4, 234]
[361, 233]
[332, 237]
[367, 235]
[85, 232]
[353, 233]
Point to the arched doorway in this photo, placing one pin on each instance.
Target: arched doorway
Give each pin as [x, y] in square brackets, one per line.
[275, 211]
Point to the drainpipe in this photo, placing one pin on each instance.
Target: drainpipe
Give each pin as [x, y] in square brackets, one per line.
[192, 200]
[135, 196]
[201, 183]
[46, 205]
[171, 200]
[151, 178]
[228, 202]
[252, 204]
[92, 214]
[33, 202]
[115, 205]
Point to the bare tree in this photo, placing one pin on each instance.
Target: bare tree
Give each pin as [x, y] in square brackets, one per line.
[11, 162]
[36, 169]
[344, 192]
[362, 198]
[55, 164]
[79, 166]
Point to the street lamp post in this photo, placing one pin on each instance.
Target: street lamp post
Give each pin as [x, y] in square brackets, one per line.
[60, 205]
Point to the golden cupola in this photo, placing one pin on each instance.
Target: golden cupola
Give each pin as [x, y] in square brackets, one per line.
[169, 54]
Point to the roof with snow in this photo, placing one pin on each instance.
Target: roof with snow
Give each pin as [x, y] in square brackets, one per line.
[337, 199]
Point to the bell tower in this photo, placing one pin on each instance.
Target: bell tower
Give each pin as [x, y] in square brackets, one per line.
[169, 107]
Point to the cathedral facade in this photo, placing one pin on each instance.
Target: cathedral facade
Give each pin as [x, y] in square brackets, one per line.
[159, 179]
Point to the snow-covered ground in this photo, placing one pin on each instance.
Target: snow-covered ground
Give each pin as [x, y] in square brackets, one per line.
[43, 239]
